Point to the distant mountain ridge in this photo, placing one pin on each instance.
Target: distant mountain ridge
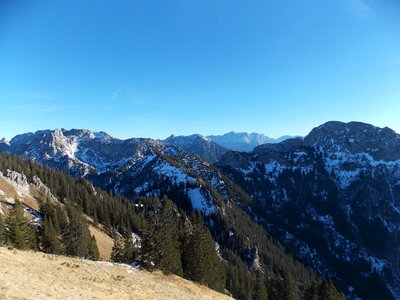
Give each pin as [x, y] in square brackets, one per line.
[243, 141]
[199, 144]
[212, 147]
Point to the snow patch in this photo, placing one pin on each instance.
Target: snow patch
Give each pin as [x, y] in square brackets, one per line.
[199, 201]
[10, 200]
[174, 173]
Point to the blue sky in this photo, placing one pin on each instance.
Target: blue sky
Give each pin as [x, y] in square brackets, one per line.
[153, 68]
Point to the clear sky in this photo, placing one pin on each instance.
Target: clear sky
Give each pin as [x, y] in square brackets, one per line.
[153, 68]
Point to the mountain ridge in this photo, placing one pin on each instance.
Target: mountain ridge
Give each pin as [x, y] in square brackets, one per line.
[337, 195]
[329, 189]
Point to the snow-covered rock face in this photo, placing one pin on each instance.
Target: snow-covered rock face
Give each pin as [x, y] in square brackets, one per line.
[4, 144]
[333, 197]
[355, 137]
[18, 181]
[130, 167]
[156, 174]
[79, 152]
[202, 201]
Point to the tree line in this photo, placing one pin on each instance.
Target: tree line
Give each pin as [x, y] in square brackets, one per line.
[174, 240]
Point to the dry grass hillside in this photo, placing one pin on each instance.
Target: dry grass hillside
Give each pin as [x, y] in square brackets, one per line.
[35, 275]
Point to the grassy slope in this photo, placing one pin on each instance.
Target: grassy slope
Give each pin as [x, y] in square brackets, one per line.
[104, 242]
[35, 275]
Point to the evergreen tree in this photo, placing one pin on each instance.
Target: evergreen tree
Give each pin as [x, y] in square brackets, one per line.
[129, 248]
[117, 254]
[167, 240]
[201, 261]
[2, 232]
[148, 251]
[259, 291]
[20, 233]
[76, 236]
[50, 240]
[327, 291]
[160, 240]
[289, 289]
[93, 249]
[312, 292]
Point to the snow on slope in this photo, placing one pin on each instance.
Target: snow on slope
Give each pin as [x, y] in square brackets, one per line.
[200, 202]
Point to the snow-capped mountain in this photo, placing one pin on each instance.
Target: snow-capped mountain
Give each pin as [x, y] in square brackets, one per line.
[198, 144]
[130, 167]
[4, 144]
[149, 168]
[334, 199]
[78, 151]
[243, 141]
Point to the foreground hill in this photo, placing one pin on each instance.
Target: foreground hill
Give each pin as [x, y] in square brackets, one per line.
[61, 277]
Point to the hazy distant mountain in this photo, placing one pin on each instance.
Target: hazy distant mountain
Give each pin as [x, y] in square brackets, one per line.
[200, 145]
[243, 141]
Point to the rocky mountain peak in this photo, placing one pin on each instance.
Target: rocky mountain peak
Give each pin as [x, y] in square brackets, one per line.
[354, 138]
[181, 139]
[198, 144]
[241, 141]
[4, 141]
[4, 144]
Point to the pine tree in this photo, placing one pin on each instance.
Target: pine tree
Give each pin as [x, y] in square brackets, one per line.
[289, 289]
[260, 291]
[129, 248]
[20, 233]
[168, 242]
[117, 254]
[76, 236]
[2, 232]
[161, 245]
[93, 249]
[50, 240]
[327, 291]
[201, 261]
[312, 292]
[148, 251]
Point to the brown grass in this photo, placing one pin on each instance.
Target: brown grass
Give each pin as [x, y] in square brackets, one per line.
[104, 242]
[10, 192]
[30, 275]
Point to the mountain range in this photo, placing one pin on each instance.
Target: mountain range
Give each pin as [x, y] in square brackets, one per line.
[243, 141]
[331, 198]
